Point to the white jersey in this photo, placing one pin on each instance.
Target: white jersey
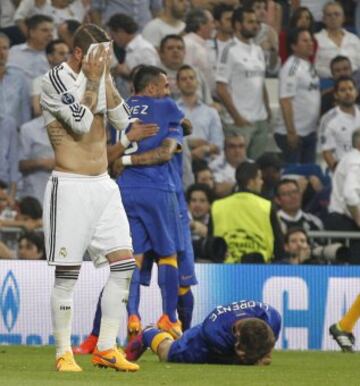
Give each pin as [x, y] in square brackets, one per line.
[336, 130]
[242, 67]
[346, 184]
[299, 81]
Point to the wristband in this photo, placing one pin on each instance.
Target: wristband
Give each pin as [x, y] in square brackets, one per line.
[126, 160]
[124, 140]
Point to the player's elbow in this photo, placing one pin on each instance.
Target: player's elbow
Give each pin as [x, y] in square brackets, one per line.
[81, 125]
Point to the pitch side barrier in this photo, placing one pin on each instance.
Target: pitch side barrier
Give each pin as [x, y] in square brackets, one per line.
[309, 298]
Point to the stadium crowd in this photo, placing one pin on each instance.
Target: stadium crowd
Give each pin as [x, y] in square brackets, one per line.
[261, 167]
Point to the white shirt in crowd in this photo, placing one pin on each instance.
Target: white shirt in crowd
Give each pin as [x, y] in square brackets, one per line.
[75, 10]
[242, 68]
[327, 50]
[336, 128]
[346, 184]
[197, 54]
[298, 80]
[138, 51]
[32, 63]
[222, 170]
[157, 29]
[35, 144]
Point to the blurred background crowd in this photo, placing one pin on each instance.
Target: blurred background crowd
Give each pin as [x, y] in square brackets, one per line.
[272, 167]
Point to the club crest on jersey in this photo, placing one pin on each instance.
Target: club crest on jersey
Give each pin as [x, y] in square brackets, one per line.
[63, 252]
[67, 98]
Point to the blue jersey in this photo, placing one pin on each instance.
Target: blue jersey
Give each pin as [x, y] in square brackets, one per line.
[217, 326]
[213, 340]
[165, 113]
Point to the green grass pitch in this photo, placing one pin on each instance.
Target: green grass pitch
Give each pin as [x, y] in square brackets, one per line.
[34, 366]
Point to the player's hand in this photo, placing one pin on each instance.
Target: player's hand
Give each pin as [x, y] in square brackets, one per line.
[117, 167]
[213, 149]
[93, 65]
[187, 126]
[139, 131]
[292, 139]
[240, 122]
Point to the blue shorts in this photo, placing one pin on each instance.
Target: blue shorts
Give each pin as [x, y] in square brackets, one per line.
[186, 264]
[186, 259]
[190, 348]
[154, 220]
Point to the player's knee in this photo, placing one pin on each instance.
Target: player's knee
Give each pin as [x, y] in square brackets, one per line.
[169, 260]
[119, 255]
[163, 349]
[65, 280]
[184, 290]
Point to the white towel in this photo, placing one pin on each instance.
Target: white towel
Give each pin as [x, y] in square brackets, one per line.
[81, 81]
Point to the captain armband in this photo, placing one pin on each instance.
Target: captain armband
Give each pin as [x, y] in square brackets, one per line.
[119, 116]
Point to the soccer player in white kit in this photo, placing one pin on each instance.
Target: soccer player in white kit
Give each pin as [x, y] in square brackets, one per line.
[82, 205]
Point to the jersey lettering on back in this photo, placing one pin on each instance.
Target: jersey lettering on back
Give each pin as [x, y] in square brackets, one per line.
[165, 113]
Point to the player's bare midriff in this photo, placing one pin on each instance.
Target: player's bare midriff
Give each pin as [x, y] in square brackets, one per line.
[80, 154]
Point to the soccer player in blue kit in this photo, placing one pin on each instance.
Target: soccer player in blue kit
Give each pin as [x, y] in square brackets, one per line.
[242, 332]
[148, 155]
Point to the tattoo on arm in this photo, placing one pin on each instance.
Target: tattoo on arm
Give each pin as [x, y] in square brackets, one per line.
[156, 156]
[113, 97]
[91, 94]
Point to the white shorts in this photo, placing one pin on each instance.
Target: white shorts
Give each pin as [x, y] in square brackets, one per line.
[83, 213]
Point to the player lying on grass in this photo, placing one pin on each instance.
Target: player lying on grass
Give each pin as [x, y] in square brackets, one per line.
[342, 331]
[242, 333]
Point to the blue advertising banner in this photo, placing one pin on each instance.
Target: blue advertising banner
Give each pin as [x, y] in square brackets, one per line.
[309, 298]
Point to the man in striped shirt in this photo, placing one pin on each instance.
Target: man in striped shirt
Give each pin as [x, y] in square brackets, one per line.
[82, 205]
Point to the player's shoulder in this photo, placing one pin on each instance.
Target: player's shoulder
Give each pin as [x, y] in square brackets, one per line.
[329, 117]
[291, 66]
[59, 79]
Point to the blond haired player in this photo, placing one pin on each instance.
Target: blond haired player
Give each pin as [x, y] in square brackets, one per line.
[82, 205]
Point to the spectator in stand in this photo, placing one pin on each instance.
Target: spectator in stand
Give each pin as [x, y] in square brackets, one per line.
[334, 40]
[9, 154]
[6, 202]
[58, 10]
[338, 124]
[169, 22]
[204, 175]
[125, 33]
[207, 136]
[199, 198]
[14, 91]
[30, 247]
[57, 52]
[224, 166]
[242, 67]
[141, 11]
[301, 18]
[344, 209]
[315, 7]
[290, 215]
[199, 28]
[36, 158]
[267, 37]
[270, 165]
[340, 66]
[7, 23]
[172, 55]
[28, 215]
[66, 31]
[222, 14]
[255, 235]
[295, 130]
[30, 57]
[297, 248]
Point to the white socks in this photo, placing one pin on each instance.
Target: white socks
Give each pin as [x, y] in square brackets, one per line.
[62, 309]
[113, 302]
